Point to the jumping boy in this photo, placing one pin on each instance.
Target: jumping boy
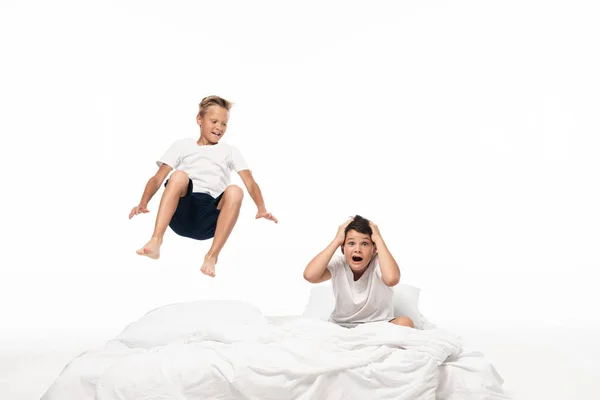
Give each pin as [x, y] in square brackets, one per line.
[362, 277]
[198, 201]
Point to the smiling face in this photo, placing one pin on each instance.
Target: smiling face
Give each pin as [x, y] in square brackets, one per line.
[358, 249]
[213, 124]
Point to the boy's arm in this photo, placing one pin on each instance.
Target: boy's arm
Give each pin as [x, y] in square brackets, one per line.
[316, 271]
[150, 190]
[390, 272]
[256, 194]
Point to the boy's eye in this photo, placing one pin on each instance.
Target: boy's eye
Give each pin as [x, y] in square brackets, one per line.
[350, 243]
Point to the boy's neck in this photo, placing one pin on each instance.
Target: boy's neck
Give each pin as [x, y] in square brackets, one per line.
[358, 274]
[201, 142]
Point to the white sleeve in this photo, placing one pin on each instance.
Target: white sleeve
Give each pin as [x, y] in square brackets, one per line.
[237, 163]
[336, 262]
[172, 157]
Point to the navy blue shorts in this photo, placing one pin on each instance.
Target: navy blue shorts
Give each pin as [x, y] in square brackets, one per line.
[196, 215]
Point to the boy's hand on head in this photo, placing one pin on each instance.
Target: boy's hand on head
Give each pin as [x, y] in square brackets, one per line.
[376, 234]
[266, 215]
[341, 233]
[137, 210]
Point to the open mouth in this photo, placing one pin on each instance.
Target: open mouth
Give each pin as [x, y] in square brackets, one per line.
[357, 258]
[216, 134]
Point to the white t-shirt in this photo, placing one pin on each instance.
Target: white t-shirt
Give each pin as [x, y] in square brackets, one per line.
[209, 167]
[366, 300]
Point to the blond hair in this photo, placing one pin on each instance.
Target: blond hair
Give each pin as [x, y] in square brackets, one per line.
[212, 101]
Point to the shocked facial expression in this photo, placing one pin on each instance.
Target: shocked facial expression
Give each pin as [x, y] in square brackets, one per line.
[358, 249]
[213, 124]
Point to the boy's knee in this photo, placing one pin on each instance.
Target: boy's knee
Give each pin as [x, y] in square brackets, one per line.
[179, 178]
[234, 194]
[404, 321]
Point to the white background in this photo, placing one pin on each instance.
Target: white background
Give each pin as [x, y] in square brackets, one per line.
[467, 130]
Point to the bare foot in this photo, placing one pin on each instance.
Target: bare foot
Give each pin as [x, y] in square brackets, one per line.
[208, 268]
[150, 249]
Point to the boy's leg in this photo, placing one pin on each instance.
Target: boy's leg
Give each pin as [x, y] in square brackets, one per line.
[230, 205]
[176, 188]
[404, 321]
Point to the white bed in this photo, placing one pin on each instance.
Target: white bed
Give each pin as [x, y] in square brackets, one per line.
[186, 350]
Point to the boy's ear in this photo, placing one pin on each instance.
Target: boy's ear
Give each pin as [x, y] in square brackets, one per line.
[342, 248]
[374, 248]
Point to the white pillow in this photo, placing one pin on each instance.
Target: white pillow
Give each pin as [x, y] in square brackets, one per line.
[406, 302]
[222, 320]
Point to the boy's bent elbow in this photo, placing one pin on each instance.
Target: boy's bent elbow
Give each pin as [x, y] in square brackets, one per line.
[311, 277]
[308, 277]
[391, 281]
[316, 277]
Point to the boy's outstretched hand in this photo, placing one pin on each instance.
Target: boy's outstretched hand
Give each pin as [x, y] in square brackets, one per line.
[266, 215]
[138, 210]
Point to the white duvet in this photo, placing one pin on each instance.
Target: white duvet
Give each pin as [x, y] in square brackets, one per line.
[229, 350]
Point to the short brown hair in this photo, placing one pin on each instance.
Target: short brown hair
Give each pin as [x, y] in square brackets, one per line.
[212, 101]
[360, 225]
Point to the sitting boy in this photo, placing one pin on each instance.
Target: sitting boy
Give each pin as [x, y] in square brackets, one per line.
[362, 277]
